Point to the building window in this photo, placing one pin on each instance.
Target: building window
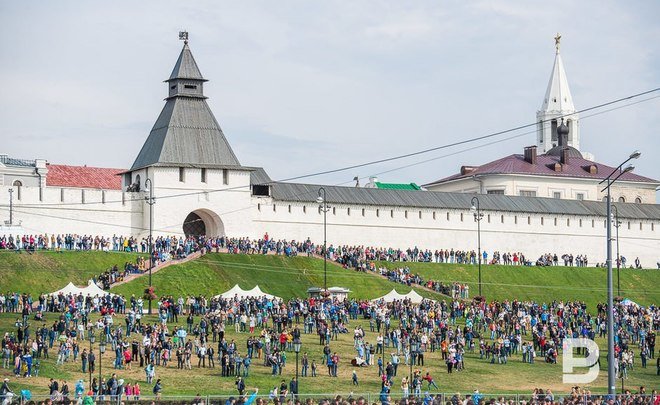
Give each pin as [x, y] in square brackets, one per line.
[555, 221]
[652, 226]
[622, 199]
[579, 196]
[225, 176]
[640, 226]
[638, 200]
[391, 213]
[593, 223]
[405, 214]
[489, 218]
[189, 86]
[203, 173]
[556, 194]
[447, 216]
[420, 215]
[604, 198]
[61, 195]
[529, 220]
[138, 182]
[515, 219]
[541, 220]
[103, 196]
[182, 174]
[580, 222]
[502, 219]
[495, 192]
[628, 225]
[305, 209]
[377, 212]
[348, 211]
[362, 211]
[289, 208]
[461, 217]
[82, 196]
[258, 207]
[568, 222]
[334, 211]
[18, 186]
[274, 208]
[527, 193]
[434, 215]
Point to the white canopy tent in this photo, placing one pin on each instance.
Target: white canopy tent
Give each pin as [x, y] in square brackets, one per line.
[91, 290]
[237, 291]
[413, 296]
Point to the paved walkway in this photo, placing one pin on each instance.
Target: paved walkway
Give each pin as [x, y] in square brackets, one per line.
[159, 267]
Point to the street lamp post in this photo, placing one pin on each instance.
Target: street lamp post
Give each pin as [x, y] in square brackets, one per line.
[478, 215]
[11, 206]
[611, 377]
[296, 347]
[92, 339]
[101, 351]
[323, 206]
[151, 201]
[617, 223]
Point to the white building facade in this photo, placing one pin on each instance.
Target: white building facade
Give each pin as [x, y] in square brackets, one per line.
[199, 187]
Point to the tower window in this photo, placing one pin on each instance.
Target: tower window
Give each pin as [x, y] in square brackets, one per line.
[225, 176]
[203, 174]
[362, 211]
[377, 212]
[348, 211]
[190, 86]
[182, 174]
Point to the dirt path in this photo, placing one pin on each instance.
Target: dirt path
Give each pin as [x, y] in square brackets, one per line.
[161, 266]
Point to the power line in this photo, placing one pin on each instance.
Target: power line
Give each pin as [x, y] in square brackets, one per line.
[397, 157]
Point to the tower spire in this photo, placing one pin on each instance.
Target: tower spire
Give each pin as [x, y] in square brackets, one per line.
[557, 104]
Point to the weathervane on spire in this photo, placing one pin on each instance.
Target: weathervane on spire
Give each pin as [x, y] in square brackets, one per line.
[557, 41]
[183, 36]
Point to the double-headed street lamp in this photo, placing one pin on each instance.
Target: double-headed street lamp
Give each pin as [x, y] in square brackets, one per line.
[617, 224]
[323, 206]
[478, 215]
[611, 376]
[151, 201]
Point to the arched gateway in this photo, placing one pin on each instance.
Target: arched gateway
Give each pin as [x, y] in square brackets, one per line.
[203, 222]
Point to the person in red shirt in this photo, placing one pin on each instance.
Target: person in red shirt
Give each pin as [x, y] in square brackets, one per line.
[428, 378]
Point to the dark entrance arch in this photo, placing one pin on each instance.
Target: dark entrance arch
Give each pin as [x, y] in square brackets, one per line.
[194, 225]
[203, 222]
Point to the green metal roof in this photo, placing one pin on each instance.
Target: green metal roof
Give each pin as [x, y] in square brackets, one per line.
[398, 186]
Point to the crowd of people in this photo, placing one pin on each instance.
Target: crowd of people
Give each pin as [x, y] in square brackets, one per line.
[265, 331]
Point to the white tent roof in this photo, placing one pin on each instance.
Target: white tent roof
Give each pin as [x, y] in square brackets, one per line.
[256, 292]
[393, 295]
[91, 290]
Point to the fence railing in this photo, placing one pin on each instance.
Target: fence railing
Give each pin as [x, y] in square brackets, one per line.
[360, 397]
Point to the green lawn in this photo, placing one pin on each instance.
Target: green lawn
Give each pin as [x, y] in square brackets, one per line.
[544, 284]
[45, 272]
[514, 377]
[277, 275]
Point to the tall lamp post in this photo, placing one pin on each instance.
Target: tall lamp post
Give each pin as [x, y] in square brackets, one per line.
[101, 351]
[92, 339]
[616, 224]
[478, 215]
[323, 206]
[296, 348]
[151, 201]
[611, 376]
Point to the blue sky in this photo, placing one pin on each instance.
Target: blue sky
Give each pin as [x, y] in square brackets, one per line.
[300, 87]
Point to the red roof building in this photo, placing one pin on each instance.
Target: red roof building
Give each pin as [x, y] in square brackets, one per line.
[83, 177]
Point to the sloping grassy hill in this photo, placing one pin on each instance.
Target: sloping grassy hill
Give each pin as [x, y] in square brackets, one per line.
[285, 277]
[49, 271]
[543, 283]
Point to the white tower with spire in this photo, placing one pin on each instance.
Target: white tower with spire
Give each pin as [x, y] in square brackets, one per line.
[557, 104]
